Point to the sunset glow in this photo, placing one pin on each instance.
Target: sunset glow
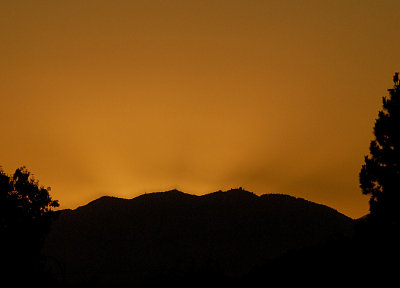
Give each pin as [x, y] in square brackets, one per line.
[123, 98]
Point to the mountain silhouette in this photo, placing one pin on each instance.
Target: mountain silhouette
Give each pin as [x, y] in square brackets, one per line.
[173, 235]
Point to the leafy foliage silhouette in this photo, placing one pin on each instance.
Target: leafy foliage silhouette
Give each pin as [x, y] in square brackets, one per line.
[25, 218]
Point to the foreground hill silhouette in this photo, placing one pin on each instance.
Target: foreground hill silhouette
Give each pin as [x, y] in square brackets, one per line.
[172, 235]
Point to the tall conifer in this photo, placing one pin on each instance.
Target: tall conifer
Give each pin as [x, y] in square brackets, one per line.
[380, 174]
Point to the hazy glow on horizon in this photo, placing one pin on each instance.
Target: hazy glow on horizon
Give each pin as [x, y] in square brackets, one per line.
[126, 97]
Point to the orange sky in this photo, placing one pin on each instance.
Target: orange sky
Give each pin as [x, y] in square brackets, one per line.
[126, 97]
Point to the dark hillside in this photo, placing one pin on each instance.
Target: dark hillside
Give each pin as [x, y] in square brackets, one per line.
[173, 235]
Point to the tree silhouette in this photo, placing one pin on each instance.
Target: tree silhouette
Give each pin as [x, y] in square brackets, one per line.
[380, 175]
[25, 218]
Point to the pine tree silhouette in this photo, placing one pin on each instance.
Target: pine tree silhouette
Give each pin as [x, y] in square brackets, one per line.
[380, 175]
[378, 234]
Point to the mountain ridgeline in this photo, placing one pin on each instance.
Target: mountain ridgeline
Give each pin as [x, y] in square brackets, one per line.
[172, 235]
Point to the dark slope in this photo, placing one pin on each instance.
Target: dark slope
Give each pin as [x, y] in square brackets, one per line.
[176, 235]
